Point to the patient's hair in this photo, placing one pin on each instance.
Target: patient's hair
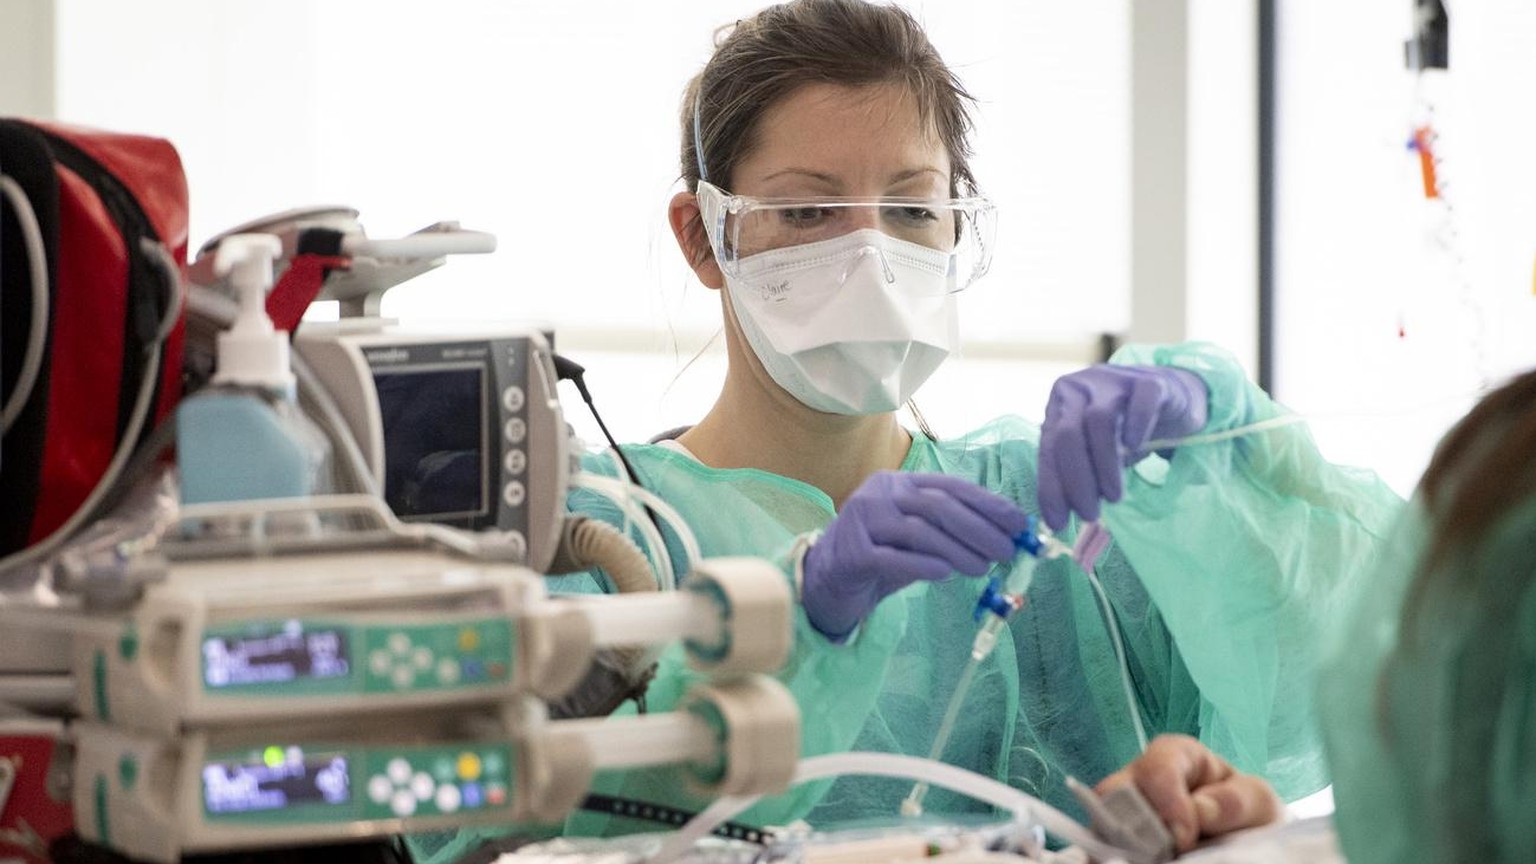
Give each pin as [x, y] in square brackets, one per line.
[1484, 467]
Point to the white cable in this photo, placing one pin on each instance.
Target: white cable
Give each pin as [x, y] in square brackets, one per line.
[136, 422]
[37, 335]
[666, 511]
[1289, 419]
[620, 493]
[1113, 626]
[156, 252]
[329, 418]
[981, 788]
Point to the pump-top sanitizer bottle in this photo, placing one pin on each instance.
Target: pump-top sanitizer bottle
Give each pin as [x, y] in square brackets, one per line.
[243, 436]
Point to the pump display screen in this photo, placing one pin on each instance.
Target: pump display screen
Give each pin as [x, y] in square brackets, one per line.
[274, 656]
[276, 779]
[434, 441]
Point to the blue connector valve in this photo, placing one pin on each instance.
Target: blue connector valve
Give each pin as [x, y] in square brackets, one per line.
[1029, 540]
[995, 597]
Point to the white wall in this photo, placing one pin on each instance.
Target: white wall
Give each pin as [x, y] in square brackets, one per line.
[555, 126]
[26, 58]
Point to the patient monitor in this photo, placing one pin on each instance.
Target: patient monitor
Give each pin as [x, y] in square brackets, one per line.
[458, 428]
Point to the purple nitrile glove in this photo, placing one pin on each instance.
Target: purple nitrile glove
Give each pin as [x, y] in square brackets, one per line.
[1098, 421]
[895, 529]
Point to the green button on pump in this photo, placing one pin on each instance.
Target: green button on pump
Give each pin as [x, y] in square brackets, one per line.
[128, 645]
[127, 772]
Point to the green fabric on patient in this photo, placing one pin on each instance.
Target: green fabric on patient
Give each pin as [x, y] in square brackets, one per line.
[1227, 561]
[1431, 732]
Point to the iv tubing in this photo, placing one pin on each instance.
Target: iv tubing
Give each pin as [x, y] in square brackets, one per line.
[1289, 419]
[1112, 625]
[1225, 434]
[328, 417]
[673, 519]
[983, 789]
[659, 505]
[982, 645]
[986, 640]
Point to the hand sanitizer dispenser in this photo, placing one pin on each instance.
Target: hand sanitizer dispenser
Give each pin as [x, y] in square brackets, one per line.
[243, 437]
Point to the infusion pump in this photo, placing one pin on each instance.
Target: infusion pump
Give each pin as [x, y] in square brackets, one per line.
[159, 798]
[250, 702]
[227, 641]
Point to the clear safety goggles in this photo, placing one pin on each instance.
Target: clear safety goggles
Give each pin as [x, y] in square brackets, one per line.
[740, 227]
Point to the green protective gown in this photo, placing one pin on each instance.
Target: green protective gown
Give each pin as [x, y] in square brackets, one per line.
[1226, 562]
[1431, 730]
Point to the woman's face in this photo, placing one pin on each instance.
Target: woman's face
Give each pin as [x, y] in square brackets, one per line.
[827, 139]
[823, 140]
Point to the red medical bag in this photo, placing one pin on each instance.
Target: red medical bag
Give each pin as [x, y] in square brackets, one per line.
[96, 222]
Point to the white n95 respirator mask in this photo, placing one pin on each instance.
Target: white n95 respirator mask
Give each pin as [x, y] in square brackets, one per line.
[849, 325]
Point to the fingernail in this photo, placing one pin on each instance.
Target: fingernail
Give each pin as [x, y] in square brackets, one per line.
[1207, 809]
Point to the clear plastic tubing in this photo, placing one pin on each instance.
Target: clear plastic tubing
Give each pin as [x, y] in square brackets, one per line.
[907, 767]
[1032, 542]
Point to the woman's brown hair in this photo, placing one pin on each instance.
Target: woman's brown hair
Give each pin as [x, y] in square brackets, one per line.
[854, 43]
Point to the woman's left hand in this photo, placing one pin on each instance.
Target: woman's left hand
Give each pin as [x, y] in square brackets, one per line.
[1197, 793]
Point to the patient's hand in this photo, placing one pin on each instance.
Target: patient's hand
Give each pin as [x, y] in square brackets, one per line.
[1195, 791]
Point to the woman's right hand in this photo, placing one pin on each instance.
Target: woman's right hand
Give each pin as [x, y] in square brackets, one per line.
[897, 528]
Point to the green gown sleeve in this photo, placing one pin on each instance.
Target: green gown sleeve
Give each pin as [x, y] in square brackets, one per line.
[1245, 545]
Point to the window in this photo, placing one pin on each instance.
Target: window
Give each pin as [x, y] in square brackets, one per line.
[1392, 309]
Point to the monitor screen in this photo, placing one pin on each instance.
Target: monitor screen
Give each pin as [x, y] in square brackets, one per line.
[434, 441]
[275, 779]
[273, 656]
